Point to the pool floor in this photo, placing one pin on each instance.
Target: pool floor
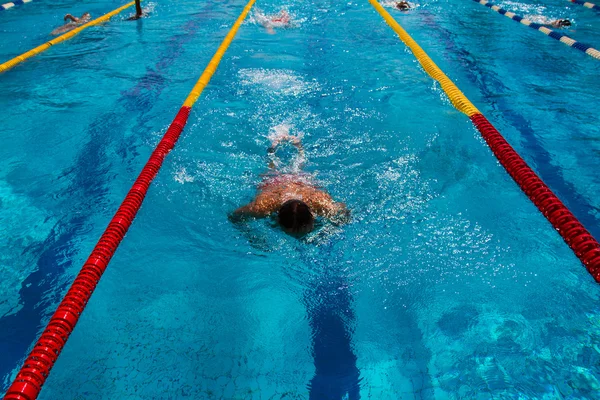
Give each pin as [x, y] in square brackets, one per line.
[447, 283]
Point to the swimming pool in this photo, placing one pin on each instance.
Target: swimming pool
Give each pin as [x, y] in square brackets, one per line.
[448, 283]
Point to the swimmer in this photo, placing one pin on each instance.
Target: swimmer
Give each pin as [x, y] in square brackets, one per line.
[547, 22]
[403, 5]
[292, 197]
[281, 20]
[138, 12]
[560, 23]
[74, 22]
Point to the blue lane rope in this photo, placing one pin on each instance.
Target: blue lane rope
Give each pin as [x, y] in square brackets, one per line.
[587, 49]
[6, 6]
[586, 4]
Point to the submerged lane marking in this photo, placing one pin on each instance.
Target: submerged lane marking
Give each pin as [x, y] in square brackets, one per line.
[33, 52]
[36, 368]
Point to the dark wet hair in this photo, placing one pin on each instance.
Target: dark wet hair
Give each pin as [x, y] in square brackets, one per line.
[564, 22]
[295, 217]
[402, 5]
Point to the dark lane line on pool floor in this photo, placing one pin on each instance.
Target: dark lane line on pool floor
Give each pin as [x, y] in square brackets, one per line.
[535, 151]
[332, 317]
[19, 330]
[329, 305]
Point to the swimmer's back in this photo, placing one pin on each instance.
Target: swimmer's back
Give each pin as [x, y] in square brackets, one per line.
[275, 180]
[278, 189]
[64, 29]
[75, 22]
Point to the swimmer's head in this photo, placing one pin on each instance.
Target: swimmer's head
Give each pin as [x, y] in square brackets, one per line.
[402, 5]
[563, 22]
[295, 217]
[86, 15]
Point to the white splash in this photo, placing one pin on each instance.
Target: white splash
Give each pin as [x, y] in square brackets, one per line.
[182, 176]
[276, 81]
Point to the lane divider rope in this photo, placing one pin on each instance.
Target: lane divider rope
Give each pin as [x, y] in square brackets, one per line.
[37, 366]
[6, 6]
[585, 247]
[581, 2]
[19, 59]
[587, 49]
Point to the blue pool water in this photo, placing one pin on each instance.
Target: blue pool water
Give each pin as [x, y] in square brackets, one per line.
[447, 284]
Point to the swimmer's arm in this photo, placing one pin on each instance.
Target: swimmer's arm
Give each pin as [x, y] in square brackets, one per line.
[339, 214]
[72, 18]
[296, 141]
[298, 144]
[245, 212]
[259, 208]
[336, 212]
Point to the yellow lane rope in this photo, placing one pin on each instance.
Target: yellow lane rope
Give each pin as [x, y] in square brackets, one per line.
[457, 97]
[214, 62]
[19, 59]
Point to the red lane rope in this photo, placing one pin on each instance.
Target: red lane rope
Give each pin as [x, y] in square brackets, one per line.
[37, 366]
[584, 245]
[586, 248]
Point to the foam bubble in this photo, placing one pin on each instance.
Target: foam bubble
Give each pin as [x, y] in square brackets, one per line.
[527, 9]
[182, 176]
[276, 82]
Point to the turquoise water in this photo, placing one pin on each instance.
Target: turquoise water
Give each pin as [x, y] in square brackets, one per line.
[447, 284]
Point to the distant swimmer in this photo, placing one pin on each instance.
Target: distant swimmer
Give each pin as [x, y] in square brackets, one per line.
[283, 18]
[560, 23]
[73, 23]
[292, 197]
[557, 23]
[403, 5]
[139, 13]
[280, 20]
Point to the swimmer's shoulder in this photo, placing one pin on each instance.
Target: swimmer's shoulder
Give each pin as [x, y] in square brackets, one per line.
[268, 199]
